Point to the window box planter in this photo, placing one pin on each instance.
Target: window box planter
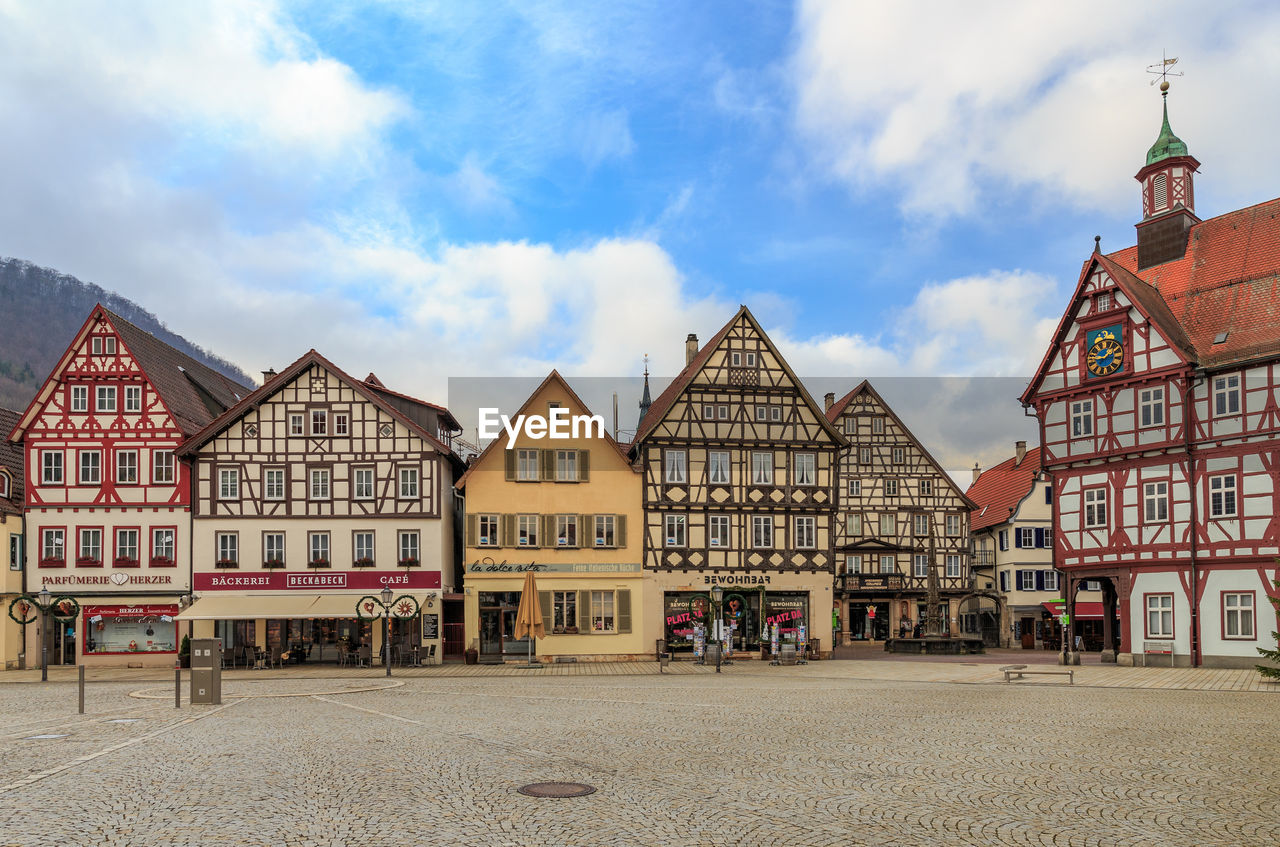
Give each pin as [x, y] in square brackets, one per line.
[162, 562]
[408, 563]
[88, 562]
[273, 563]
[53, 563]
[125, 563]
[318, 563]
[364, 562]
[226, 563]
[571, 630]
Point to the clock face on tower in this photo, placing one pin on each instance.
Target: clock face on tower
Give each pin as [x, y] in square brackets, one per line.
[1104, 353]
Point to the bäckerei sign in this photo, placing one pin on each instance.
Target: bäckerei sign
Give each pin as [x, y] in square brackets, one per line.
[363, 580]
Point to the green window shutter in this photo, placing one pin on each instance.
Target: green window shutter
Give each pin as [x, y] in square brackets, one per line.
[620, 530]
[507, 527]
[544, 604]
[624, 610]
[472, 532]
[509, 464]
[548, 465]
[548, 533]
[586, 531]
[584, 465]
[584, 611]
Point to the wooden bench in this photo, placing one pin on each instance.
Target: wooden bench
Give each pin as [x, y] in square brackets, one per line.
[1010, 670]
[1157, 648]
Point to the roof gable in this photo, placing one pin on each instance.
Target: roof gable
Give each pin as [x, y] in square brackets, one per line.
[999, 490]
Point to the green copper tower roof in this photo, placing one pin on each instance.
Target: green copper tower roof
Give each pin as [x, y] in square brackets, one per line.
[1167, 145]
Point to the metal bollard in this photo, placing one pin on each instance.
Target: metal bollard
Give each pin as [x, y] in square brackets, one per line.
[82, 689]
[177, 687]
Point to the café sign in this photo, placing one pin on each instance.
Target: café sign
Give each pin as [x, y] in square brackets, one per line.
[361, 580]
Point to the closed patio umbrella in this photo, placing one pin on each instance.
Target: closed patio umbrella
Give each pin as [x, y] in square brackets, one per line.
[529, 615]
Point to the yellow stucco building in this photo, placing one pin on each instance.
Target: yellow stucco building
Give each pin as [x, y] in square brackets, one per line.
[570, 510]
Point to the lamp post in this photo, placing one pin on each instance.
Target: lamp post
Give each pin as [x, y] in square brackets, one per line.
[62, 608]
[717, 612]
[404, 606]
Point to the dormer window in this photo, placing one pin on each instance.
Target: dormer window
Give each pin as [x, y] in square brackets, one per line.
[5, 487]
[1104, 301]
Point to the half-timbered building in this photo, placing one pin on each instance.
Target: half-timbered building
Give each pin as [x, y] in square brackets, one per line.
[106, 500]
[738, 466]
[900, 515]
[1159, 410]
[567, 509]
[12, 477]
[313, 491]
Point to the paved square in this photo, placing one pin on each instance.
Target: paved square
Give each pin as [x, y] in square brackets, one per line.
[757, 755]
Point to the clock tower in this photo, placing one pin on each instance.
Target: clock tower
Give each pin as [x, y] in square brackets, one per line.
[1168, 196]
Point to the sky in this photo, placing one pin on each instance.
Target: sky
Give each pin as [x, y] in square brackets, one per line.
[436, 190]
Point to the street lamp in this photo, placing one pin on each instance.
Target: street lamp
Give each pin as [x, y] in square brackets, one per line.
[717, 607]
[404, 606]
[61, 608]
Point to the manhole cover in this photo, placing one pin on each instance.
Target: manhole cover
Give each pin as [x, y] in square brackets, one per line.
[557, 789]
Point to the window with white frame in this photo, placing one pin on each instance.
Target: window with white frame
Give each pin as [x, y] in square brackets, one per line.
[5, 485]
[1155, 501]
[855, 488]
[920, 565]
[295, 424]
[90, 467]
[1004, 581]
[127, 467]
[133, 398]
[888, 525]
[363, 483]
[567, 466]
[1095, 507]
[1027, 580]
[341, 423]
[106, 399]
[761, 531]
[527, 464]
[926, 488]
[319, 478]
[718, 531]
[126, 546]
[1226, 395]
[805, 468]
[228, 483]
[79, 398]
[51, 467]
[162, 466]
[853, 563]
[806, 533]
[1160, 616]
[273, 483]
[1026, 537]
[606, 531]
[566, 530]
[1050, 580]
[953, 565]
[487, 530]
[228, 549]
[718, 467]
[762, 469]
[318, 547]
[1237, 615]
[888, 563]
[953, 526]
[162, 545]
[920, 525]
[363, 547]
[52, 543]
[319, 421]
[564, 609]
[676, 530]
[407, 543]
[677, 467]
[408, 483]
[899, 455]
[273, 549]
[527, 530]
[1082, 418]
[864, 455]
[1103, 301]
[1222, 496]
[1151, 407]
[602, 613]
[877, 424]
[90, 546]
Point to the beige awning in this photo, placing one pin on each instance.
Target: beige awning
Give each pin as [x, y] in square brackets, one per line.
[277, 606]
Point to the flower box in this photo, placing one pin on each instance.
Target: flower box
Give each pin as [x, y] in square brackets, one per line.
[362, 562]
[53, 563]
[318, 563]
[125, 563]
[88, 562]
[273, 563]
[162, 561]
[408, 563]
[226, 563]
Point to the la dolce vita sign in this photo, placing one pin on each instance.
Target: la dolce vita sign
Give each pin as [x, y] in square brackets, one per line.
[317, 581]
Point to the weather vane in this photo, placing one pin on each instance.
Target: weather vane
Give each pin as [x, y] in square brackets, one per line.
[1162, 70]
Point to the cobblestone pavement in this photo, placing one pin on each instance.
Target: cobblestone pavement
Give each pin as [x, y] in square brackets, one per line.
[754, 756]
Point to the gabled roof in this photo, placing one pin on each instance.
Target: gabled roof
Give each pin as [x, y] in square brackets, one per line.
[277, 384]
[668, 397]
[999, 489]
[446, 417]
[11, 460]
[193, 393]
[838, 408]
[555, 377]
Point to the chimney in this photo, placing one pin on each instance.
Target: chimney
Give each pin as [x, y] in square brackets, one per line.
[977, 471]
[828, 400]
[690, 348]
[268, 375]
[1019, 452]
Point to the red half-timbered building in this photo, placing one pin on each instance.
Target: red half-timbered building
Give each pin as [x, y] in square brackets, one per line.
[107, 503]
[1158, 408]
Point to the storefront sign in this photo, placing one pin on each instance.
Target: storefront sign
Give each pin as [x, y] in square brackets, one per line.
[490, 566]
[362, 580]
[139, 611]
[430, 627]
[116, 578]
[736, 579]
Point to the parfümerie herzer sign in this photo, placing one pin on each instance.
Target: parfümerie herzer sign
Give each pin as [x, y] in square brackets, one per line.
[558, 424]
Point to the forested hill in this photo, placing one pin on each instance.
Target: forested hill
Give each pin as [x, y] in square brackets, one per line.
[41, 309]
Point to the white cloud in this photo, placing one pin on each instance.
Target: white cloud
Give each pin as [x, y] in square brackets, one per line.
[952, 106]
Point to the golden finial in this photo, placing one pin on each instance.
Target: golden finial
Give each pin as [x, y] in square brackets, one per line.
[1162, 69]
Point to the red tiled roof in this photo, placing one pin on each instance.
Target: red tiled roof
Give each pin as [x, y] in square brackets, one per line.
[999, 489]
[11, 460]
[1229, 281]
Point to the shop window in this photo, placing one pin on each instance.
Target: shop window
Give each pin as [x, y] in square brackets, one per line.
[602, 616]
[116, 630]
[1237, 615]
[564, 611]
